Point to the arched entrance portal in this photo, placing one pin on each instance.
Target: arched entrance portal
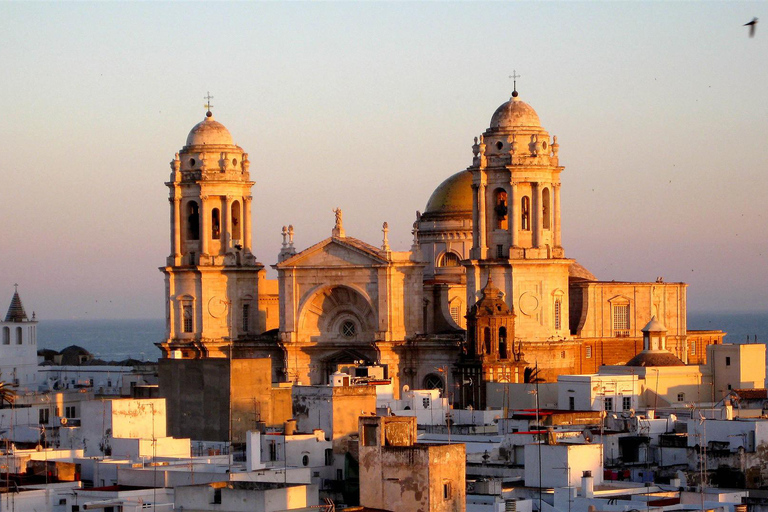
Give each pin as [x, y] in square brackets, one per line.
[338, 324]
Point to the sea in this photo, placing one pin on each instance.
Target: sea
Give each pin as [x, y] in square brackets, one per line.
[116, 340]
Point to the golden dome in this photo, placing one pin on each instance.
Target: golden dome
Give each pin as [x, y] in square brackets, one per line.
[515, 113]
[454, 195]
[209, 132]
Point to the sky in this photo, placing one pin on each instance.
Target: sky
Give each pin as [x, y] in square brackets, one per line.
[660, 109]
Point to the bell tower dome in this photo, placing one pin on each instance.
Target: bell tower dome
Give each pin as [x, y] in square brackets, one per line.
[211, 273]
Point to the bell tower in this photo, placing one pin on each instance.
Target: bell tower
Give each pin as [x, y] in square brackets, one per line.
[516, 222]
[211, 275]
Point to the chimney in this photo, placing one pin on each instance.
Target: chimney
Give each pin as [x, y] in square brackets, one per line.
[587, 485]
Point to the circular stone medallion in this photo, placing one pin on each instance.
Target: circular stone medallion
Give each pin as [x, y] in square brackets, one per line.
[217, 306]
[529, 303]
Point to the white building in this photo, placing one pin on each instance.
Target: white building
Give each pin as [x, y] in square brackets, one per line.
[562, 465]
[598, 392]
[247, 497]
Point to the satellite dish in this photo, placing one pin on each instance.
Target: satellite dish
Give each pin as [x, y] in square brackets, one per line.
[406, 388]
[587, 435]
[63, 421]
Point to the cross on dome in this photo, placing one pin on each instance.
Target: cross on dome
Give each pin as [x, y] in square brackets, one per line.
[514, 76]
[208, 105]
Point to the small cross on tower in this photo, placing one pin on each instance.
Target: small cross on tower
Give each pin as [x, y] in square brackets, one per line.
[208, 105]
[514, 76]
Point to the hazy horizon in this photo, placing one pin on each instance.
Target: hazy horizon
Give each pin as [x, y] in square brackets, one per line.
[659, 109]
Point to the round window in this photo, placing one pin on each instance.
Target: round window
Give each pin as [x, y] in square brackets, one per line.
[234, 161]
[544, 144]
[348, 329]
[191, 162]
[499, 145]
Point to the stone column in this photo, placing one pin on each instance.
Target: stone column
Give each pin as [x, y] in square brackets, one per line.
[513, 212]
[556, 211]
[246, 222]
[205, 227]
[175, 226]
[538, 217]
[475, 222]
[482, 221]
[227, 221]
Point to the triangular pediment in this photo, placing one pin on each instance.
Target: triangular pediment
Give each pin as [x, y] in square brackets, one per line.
[335, 252]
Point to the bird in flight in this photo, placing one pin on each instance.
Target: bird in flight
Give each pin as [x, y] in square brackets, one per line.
[752, 24]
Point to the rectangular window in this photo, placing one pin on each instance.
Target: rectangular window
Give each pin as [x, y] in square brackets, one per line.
[693, 348]
[499, 251]
[727, 361]
[188, 318]
[558, 313]
[608, 403]
[455, 313]
[272, 451]
[69, 412]
[329, 456]
[369, 435]
[571, 403]
[626, 403]
[44, 416]
[588, 352]
[621, 320]
[246, 317]
[425, 402]
[681, 397]
[447, 490]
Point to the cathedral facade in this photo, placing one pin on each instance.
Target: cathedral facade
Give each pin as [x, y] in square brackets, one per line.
[485, 293]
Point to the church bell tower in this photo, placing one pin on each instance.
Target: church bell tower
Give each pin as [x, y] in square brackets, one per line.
[211, 275]
[516, 222]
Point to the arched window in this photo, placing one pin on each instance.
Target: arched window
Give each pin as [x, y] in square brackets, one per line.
[19, 335]
[500, 208]
[545, 210]
[525, 214]
[487, 339]
[193, 221]
[215, 224]
[449, 259]
[433, 381]
[236, 221]
[6, 335]
[502, 342]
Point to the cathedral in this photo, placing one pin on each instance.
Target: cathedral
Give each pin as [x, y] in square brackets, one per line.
[486, 292]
